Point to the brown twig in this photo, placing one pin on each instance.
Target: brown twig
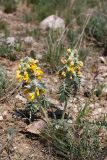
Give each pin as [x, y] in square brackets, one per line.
[78, 44]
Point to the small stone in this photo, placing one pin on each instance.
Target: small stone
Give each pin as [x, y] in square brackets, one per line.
[92, 106]
[99, 110]
[95, 112]
[83, 81]
[4, 114]
[102, 59]
[10, 41]
[97, 105]
[75, 109]
[1, 117]
[99, 78]
[102, 69]
[39, 56]
[36, 127]
[70, 121]
[104, 75]
[29, 40]
[104, 92]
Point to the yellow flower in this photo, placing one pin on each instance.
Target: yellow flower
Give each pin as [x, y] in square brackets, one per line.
[39, 77]
[19, 67]
[32, 96]
[26, 77]
[38, 72]
[33, 66]
[37, 91]
[68, 69]
[63, 74]
[78, 68]
[69, 50]
[79, 73]
[19, 76]
[71, 69]
[80, 63]
[43, 90]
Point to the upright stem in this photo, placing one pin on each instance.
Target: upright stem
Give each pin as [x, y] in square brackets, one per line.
[45, 114]
[65, 107]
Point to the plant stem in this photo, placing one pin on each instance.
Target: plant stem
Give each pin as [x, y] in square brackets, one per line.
[30, 116]
[45, 114]
[65, 107]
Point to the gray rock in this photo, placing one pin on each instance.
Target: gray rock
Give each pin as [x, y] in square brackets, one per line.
[29, 40]
[1, 117]
[99, 78]
[83, 81]
[36, 127]
[102, 59]
[102, 69]
[104, 91]
[10, 41]
[5, 113]
[39, 56]
[52, 22]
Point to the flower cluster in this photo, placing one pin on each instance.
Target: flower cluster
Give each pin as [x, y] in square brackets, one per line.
[29, 75]
[71, 65]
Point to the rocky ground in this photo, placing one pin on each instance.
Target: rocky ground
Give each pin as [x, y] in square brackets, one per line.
[25, 146]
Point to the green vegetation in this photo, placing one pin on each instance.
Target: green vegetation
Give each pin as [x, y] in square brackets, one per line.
[97, 28]
[54, 45]
[72, 37]
[3, 80]
[9, 6]
[99, 89]
[83, 53]
[72, 127]
[78, 140]
[3, 25]
[6, 52]
[48, 7]
[29, 17]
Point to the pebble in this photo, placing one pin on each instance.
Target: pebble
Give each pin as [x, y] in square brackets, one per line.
[10, 41]
[102, 59]
[1, 118]
[99, 78]
[29, 40]
[5, 114]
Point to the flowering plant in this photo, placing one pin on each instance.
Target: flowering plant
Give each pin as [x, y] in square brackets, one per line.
[71, 65]
[30, 76]
[70, 74]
